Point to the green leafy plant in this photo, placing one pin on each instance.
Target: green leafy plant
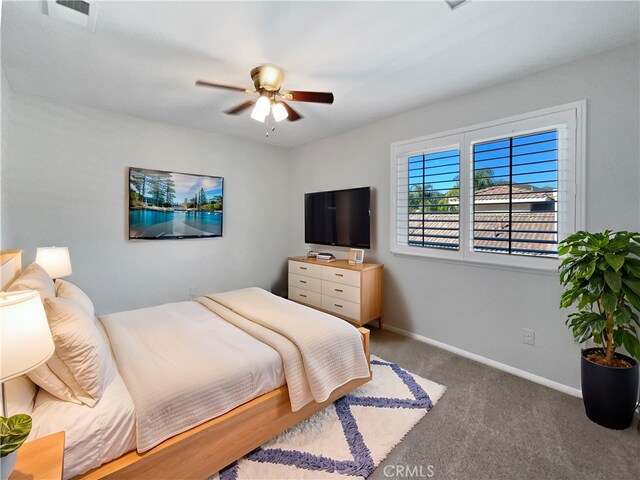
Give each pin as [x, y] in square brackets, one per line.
[14, 431]
[601, 276]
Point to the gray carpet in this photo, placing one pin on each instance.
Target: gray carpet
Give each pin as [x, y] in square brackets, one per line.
[493, 425]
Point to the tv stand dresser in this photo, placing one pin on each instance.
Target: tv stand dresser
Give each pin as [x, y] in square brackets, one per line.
[351, 292]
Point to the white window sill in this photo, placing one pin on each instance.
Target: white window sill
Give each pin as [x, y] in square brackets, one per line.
[549, 266]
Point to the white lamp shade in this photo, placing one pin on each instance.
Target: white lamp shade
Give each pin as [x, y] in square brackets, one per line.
[55, 261]
[25, 337]
[279, 112]
[262, 109]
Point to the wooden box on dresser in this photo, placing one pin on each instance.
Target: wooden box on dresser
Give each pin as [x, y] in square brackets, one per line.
[351, 292]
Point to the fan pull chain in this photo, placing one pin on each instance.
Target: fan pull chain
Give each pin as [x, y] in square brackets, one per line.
[269, 126]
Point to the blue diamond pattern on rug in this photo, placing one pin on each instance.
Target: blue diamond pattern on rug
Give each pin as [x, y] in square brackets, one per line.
[349, 438]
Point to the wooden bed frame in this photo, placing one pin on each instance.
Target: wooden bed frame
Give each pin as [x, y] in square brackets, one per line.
[203, 450]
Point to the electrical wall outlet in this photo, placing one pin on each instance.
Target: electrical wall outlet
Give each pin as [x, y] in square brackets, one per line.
[193, 291]
[528, 336]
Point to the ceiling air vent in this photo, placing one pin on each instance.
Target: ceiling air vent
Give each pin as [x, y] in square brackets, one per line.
[77, 12]
[77, 5]
[453, 4]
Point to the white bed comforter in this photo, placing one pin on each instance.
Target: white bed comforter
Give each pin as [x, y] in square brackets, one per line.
[184, 365]
[320, 352]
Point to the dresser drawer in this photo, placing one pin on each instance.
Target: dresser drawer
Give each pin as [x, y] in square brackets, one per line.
[306, 283]
[341, 291]
[341, 307]
[341, 275]
[306, 269]
[312, 299]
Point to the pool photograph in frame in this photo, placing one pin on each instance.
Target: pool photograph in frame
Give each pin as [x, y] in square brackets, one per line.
[168, 205]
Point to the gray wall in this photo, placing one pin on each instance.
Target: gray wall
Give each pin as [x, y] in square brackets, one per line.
[67, 185]
[5, 114]
[483, 310]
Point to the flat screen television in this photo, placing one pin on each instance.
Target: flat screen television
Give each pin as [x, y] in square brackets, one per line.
[168, 205]
[339, 217]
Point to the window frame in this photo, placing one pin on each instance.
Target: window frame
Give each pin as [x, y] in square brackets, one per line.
[571, 182]
[405, 150]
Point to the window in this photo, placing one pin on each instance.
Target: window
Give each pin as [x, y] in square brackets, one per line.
[515, 191]
[434, 221]
[501, 193]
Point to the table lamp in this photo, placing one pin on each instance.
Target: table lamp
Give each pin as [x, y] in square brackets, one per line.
[25, 343]
[54, 260]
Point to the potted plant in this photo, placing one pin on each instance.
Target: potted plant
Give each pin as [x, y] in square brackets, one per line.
[601, 276]
[14, 431]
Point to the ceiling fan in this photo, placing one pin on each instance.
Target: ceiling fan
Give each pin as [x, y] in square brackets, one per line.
[267, 80]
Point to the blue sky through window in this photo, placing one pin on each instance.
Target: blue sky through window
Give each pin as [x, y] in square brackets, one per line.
[438, 169]
[533, 159]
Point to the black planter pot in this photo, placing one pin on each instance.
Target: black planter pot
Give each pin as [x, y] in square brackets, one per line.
[610, 394]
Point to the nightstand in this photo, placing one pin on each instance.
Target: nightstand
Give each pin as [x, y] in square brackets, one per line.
[41, 459]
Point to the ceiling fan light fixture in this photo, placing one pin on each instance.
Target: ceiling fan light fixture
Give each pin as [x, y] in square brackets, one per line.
[279, 112]
[261, 110]
[267, 80]
[267, 77]
[270, 75]
[257, 117]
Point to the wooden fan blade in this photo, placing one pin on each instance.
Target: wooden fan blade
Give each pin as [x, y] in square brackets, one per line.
[293, 115]
[240, 108]
[202, 83]
[315, 97]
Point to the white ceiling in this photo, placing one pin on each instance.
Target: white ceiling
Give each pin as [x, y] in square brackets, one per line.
[378, 58]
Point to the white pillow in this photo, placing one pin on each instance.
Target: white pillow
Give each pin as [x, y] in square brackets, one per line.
[21, 393]
[62, 371]
[81, 351]
[68, 290]
[34, 277]
[49, 381]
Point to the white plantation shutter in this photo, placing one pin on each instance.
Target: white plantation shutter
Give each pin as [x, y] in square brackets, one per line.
[502, 193]
[434, 207]
[425, 206]
[516, 195]
[531, 205]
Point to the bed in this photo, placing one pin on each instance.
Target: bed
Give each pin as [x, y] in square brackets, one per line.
[217, 410]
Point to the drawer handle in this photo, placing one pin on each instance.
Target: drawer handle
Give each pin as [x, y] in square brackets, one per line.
[303, 296]
[303, 268]
[339, 306]
[339, 275]
[303, 281]
[338, 290]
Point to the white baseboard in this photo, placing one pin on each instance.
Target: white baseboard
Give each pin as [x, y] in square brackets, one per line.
[491, 363]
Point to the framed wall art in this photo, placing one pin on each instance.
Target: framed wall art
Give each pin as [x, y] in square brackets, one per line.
[168, 205]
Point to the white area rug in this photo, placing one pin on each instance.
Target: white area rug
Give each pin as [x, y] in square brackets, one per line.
[350, 437]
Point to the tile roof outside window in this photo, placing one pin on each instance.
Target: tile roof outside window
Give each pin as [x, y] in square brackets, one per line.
[538, 226]
[501, 192]
[531, 230]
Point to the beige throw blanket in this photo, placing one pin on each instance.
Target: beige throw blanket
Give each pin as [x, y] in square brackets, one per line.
[319, 354]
